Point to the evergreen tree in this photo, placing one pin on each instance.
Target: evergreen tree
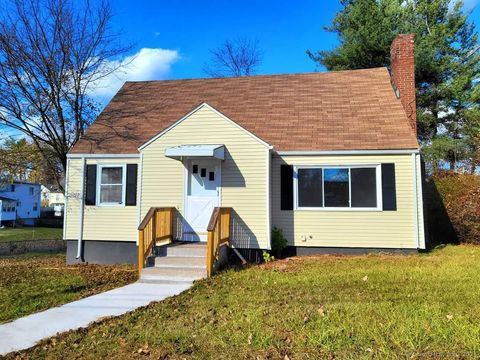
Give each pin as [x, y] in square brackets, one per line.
[447, 63]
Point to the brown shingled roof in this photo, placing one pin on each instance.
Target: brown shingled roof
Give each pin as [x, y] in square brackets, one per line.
[345, 110]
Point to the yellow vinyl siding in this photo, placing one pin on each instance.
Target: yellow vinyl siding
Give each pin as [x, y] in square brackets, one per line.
[243, 174]
[337, 228]
[116, 223]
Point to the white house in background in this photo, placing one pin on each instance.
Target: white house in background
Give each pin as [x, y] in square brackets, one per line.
[52, 195]
[19, 201]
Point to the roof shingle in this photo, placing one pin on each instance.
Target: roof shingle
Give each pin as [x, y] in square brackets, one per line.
[344, 110]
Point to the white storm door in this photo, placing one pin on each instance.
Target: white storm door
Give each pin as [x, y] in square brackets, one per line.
[202, 195]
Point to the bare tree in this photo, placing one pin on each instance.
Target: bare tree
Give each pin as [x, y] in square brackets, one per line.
[52, 52]
[241, 57]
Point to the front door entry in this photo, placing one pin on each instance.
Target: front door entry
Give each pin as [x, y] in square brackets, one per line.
[202, 195]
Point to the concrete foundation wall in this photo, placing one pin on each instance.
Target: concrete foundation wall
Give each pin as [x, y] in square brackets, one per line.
[103, 252]
[305, 251]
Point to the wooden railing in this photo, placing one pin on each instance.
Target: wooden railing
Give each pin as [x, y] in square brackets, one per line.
[218, 234]
[157, 225]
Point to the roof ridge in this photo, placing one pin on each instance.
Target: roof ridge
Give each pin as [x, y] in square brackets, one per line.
[320, 73]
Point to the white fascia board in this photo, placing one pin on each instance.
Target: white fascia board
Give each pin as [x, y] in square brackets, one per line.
[348, 152]
[103, 156]
[192, 112]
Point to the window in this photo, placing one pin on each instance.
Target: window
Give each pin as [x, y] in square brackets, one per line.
[339, 187]
[31, 190]
[111, 185]
[336, 187]
[310, 193]
[35, 206]
[364, 189]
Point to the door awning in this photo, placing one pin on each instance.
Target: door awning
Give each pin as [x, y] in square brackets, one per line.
[207, 151]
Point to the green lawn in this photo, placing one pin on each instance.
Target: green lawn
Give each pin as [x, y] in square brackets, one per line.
[30, 233]
[30, 283]
[423, 306]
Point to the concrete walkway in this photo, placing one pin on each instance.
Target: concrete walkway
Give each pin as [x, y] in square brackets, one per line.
[27, 331]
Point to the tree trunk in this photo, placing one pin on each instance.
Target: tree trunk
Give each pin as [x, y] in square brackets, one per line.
[452, 165]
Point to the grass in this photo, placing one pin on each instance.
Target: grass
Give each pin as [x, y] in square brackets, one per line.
[30, 283]
[30, 233]
[422, 306]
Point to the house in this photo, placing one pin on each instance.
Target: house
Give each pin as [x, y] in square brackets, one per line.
[330, 158]
[52, 195]
[19, 202]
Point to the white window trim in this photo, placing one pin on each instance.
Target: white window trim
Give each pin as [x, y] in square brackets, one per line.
[378, 172]
[99, 184]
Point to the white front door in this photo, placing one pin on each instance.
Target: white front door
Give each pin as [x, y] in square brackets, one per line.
[202, 194]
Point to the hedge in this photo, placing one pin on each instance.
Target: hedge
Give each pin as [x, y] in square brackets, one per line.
[452, 204]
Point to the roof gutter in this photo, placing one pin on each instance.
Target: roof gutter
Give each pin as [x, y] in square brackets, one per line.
[349, 152]
[103, 156]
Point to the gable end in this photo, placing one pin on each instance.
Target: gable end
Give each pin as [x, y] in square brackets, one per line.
[201, 106]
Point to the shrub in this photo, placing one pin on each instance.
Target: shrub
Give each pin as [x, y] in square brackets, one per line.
[278, 241]
[454, 199]
[267, 257]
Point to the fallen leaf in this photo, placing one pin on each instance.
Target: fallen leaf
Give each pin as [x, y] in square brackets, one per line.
[250, 337]
[365, 278]
[144, 350]
[321, 311]
[449, 317]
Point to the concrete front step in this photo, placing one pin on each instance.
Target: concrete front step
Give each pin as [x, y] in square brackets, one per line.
[183, 249]
[185, 262]
[172, 274]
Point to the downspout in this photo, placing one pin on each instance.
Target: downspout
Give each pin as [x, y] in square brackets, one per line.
[82, 207]
[269, 203]
[415, 198]
[140, 177]
[421, 214]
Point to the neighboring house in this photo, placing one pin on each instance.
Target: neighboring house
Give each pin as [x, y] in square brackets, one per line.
[20, 201]
[7, 210]
[330, 158]
[52, 196]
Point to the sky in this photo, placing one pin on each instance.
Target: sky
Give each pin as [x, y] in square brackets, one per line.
[172, 39]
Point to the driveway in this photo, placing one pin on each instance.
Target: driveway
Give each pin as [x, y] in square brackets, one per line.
[25, 332]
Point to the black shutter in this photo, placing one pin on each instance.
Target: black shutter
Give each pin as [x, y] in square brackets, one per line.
[90, 184]
[131, 196]
[286, 187]
[389, 195]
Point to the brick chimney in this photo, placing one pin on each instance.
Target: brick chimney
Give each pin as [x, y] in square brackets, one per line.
[402, 70]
